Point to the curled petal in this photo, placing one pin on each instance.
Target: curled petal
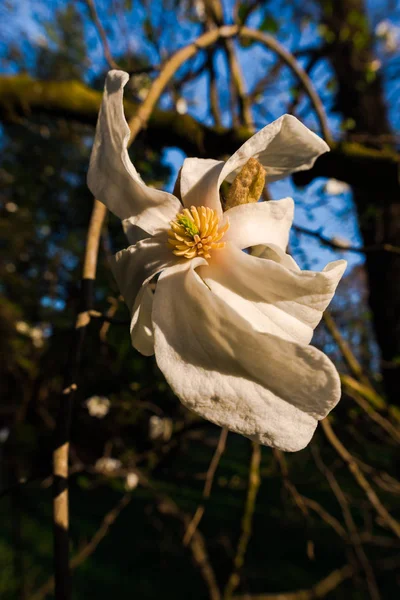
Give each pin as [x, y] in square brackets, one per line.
[260, 223]
[112, 178]
[199, 183]
[257, 384]
[282, 147]
[272, 298]
[133, 268]
[275, 253]
[142, 333]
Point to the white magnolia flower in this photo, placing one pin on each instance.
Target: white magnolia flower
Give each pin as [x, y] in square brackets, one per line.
[334, 187]
[11, 207]
[98, 406]
[181, 106]
[388, 34]
[383, 28]
[4, 433]
[230, 330]
[160, 428]
[341, 242]
[131, 481]
[107, 465]
[22, 327]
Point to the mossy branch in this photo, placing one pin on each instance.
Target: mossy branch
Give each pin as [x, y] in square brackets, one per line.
[22, 96]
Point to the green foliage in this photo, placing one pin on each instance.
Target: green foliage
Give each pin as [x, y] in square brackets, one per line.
[269, 24]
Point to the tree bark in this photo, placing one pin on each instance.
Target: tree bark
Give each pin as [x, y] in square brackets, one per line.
[360, 98]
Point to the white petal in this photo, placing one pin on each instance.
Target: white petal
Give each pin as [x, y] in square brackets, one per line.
[112, 178]
[273, 252]
[272, 298]
[133, 233]
[260, 223]
[199, 183]
[282, 147]
[142, 333]
[256, 384]
[133, 268]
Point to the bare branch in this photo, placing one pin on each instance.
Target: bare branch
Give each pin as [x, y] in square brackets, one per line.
[89, 548]
[102, 34]
[198, 515]
[319, 590]
[354, 535]
[347, 248]
[355, 470]
[247, 522]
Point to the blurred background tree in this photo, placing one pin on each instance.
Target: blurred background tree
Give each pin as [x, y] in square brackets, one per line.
[139, 461]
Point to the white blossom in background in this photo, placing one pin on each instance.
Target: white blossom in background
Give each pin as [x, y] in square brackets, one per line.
[131, 481]
[22, 327]
[98, 406]
[389, 35]
[383, 28]
[140, 85]
[181, 106]
[334, 187]
[44, 230]
[230, 331]
[200, 9]
[11, 207]
[375, 65]
[37, 336]
[37, 333]
[107, 465]
[160, 428]
[4, 433]
[341, 242]
[10, 267]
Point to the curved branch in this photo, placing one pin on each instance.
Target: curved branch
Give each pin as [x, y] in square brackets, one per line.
[319, 590]
[288, 58]
[23, 96]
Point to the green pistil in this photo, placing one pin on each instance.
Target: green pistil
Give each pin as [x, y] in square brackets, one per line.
[188, 225]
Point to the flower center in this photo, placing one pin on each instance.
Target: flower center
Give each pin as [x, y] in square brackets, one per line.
[195, 232]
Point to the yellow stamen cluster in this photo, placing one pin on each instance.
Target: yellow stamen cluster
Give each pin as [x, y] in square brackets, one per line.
[195, 232]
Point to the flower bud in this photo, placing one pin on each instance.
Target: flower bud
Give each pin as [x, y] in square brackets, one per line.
[247, 186]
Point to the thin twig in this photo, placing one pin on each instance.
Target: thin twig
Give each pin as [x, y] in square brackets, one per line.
[325, 586]
[319, 590]
[247, 522]
[89, 548]
[198, 515]
[102, 34]
[63, 588]
[271, 43]
[197, 545]
[358, 475]
[393, 431]
[291, 488]
[344, 247]
[325, 516]
[364, 390]
[350, 359]
[354, 536]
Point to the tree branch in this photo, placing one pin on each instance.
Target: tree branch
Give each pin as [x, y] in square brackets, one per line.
[247, 522]
[198, 515]
[22, 96]
[319, 590]
[355, 470]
